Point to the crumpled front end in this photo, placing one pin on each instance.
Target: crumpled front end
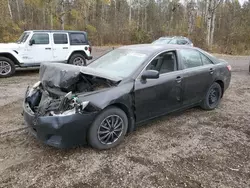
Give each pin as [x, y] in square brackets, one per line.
[53, 110]
[62, 122]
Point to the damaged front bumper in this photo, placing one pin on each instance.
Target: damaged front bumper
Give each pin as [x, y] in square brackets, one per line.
[63, 131]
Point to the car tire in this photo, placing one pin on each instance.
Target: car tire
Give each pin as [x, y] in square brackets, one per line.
[7, 67]
[212, 98]
[108, 129]
[77, 59]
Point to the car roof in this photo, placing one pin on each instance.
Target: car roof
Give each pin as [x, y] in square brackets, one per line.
[172, 37]
[154, 48]
[56, 31]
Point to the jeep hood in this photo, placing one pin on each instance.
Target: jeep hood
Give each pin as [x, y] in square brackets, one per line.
[9, 46]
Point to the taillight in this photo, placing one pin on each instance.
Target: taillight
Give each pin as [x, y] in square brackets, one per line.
[229, 67]
[90, 49]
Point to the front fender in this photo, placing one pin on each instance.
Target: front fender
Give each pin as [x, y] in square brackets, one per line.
[119, 94]
[11, 54]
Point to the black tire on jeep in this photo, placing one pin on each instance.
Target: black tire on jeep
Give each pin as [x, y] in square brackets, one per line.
[7, 67]
[77, 59]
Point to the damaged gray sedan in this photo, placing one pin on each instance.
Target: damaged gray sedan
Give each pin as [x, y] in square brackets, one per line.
[100, 103]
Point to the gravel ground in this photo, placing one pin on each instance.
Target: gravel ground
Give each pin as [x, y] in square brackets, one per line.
[193, 149]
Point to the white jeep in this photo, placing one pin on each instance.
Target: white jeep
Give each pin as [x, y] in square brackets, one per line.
[35, 47]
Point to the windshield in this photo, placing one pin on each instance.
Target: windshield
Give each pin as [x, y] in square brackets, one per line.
[23, 37]
[174, 41]
[120, 62]
[162, 41]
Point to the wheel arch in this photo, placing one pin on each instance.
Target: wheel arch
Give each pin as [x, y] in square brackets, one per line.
[130, 116]
[221, 83]
[77, 52]
[11, 57]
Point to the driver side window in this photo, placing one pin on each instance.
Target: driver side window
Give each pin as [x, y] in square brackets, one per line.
[40, 38]
[164, 63]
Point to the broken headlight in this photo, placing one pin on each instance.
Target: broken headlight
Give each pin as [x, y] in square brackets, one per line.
[69, 105]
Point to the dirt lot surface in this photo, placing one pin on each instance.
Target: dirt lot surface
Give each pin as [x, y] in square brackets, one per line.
[190, 149]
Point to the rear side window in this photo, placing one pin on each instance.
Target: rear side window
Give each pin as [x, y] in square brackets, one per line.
[40, 38]
[205, 60]
[190, 58]
[77, 39]
[60, 38]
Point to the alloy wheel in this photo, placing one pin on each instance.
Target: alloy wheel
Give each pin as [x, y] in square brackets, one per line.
[79, 61]
[5, 68]
[110, 129]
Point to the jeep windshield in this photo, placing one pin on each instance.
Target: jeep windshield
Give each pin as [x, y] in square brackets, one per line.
[119, 62]
[23, 37]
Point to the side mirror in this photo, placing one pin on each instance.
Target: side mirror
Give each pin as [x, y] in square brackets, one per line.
[150, 74]
[31, 42]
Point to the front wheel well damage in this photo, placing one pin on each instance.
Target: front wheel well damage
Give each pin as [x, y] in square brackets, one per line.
[131, 118]
[221, 83]
[11, 57]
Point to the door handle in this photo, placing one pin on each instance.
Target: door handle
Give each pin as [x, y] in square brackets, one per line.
[178, 79]
[211, 70]
[47, 48]
[65, 47]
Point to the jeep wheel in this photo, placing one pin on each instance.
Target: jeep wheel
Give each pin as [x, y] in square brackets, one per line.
[77, 59]
[7, 67]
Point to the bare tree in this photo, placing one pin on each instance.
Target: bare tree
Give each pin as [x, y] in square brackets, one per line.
[212, 5]
[191, 9]
[10, 11]
[62, 14]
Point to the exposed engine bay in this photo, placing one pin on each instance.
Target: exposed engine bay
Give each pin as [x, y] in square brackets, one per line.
[56, 93]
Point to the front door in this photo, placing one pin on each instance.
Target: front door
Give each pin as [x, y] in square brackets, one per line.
[154, 97]
[198, 75]
[40, 50]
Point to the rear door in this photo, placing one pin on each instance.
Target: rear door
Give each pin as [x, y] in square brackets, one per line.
[198, 75]
[154, 97]
[60, 46]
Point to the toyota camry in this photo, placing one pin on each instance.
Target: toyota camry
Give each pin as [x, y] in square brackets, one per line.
[100, 103]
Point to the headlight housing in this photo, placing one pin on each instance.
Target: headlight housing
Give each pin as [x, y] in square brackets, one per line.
[70, 105]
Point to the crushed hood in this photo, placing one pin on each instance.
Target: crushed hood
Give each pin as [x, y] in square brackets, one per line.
[64, 76]
[95, 72]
